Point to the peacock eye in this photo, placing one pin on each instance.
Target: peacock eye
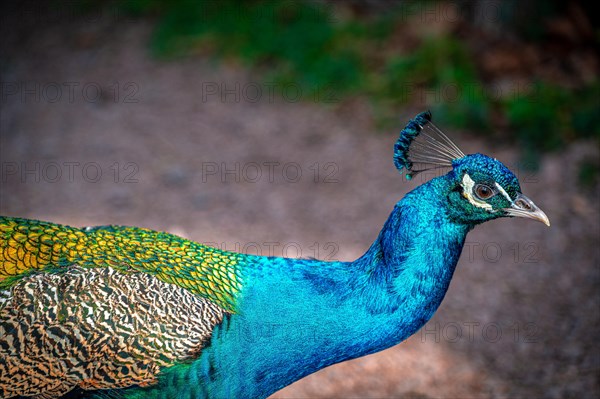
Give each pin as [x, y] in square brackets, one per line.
[484, 192]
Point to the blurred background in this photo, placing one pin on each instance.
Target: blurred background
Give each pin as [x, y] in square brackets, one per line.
[267, 127]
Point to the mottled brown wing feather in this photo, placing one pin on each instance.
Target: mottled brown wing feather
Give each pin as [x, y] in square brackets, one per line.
[96, 328]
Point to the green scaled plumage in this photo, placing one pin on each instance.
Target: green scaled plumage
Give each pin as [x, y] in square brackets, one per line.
[29, 245]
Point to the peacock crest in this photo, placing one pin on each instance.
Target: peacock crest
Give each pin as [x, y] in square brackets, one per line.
[422, 146]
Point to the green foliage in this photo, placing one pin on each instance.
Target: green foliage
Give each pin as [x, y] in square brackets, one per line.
[441, 66]
[305, 43]
[549, 116]
[295, 39]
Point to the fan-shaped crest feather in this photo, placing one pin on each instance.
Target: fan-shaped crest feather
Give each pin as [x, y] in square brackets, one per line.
[422, 146]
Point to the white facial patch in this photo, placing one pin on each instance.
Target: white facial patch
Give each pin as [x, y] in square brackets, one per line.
[467, 185]
[503, 192]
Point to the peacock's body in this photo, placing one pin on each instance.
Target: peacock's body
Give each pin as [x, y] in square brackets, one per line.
[128, 312]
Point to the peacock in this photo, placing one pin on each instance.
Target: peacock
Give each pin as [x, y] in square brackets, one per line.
[126, 312]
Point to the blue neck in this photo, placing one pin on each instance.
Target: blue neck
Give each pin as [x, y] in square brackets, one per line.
[406, 272]
[298, 316]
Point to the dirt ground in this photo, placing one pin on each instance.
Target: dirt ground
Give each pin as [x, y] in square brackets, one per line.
[94, 131]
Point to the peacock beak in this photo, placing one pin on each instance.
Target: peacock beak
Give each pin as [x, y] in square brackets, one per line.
[525, 208]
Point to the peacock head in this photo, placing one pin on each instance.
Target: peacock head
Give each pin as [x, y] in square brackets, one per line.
[482, 188]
